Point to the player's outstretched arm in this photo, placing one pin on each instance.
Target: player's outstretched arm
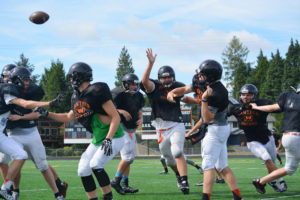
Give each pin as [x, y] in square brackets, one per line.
[62, 117]
[147, 83]
[177, 92]
[266, 108]
[28, 103]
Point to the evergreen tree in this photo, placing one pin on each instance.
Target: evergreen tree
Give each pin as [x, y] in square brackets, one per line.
[25, 63]
[233, 54]
[261, 71]
[53, 82]
[291, 66]
[242, 73]
[271, 86]
[124, 66]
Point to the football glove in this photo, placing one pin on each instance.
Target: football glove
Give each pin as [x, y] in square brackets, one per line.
[55, 102]
[42, 111]
[198, 136]
[107, 146]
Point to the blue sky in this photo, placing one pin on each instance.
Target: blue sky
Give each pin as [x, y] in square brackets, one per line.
[182, 33]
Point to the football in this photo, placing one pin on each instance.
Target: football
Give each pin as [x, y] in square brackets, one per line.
[39, 17]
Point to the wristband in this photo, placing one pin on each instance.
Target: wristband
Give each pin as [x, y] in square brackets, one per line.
[204, 100]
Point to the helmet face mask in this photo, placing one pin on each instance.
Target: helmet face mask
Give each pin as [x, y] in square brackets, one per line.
[248, 93]
[166, 76]
[6, 71]
[131, 83]
[19, 76]
[79, 72]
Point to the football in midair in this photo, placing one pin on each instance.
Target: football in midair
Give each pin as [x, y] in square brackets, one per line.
[39, 17]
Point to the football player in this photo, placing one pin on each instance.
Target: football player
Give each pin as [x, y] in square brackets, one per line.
[214, 101]
[92, 106]
[167, 119]
[25, 132]
[10, 95]
[4, 158]
[254, 123]
[289, 104]
[129, 103]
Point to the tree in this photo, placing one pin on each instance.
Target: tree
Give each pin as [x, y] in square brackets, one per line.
[25, 63]
[233, 54]
[242, 72]
[271, 86]
[53, 82]
[124, 66]
[260, 71]
[291, 66]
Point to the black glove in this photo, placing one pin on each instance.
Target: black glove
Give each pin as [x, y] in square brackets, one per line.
[42, 111]
[55, 102]
[107, 146]
[196, 137]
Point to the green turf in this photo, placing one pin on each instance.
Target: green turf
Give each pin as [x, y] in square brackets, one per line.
[145, 176]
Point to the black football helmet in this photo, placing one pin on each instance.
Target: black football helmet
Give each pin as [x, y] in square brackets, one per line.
[249, 89]
[78, 73]
[211, 69]
[18, 74]
[130, 79]
[7, 69]
[166, 71]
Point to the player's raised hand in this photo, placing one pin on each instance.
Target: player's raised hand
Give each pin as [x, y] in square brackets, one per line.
[55, 102]
[150, 56]
[107, 146]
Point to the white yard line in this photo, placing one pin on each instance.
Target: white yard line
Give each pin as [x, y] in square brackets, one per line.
[281, 197]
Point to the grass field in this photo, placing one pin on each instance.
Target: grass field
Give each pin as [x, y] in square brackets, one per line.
[145, 176]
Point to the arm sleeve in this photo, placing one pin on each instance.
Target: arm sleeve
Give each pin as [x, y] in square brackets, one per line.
[281, 100]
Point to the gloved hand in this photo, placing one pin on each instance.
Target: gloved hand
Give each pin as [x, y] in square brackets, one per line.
[107, 146]
[42, 111]
[196, 137]
[55, 102]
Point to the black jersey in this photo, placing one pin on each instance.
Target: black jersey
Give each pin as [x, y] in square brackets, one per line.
[253, 122]
[161, 107]
[89, 102]
[35, 93]
[132, 103]
[7, 89]
[218, 102]
[289, 103]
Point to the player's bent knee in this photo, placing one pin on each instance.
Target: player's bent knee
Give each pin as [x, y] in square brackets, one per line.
[102, 177]
[129, 161]
[21, 155]
[291, 169]
[88, 183]
[42, 166]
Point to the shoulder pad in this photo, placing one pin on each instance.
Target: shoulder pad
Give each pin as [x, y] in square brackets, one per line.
[116, 91]
[233, 101]
[12, 89]
[35, 92]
